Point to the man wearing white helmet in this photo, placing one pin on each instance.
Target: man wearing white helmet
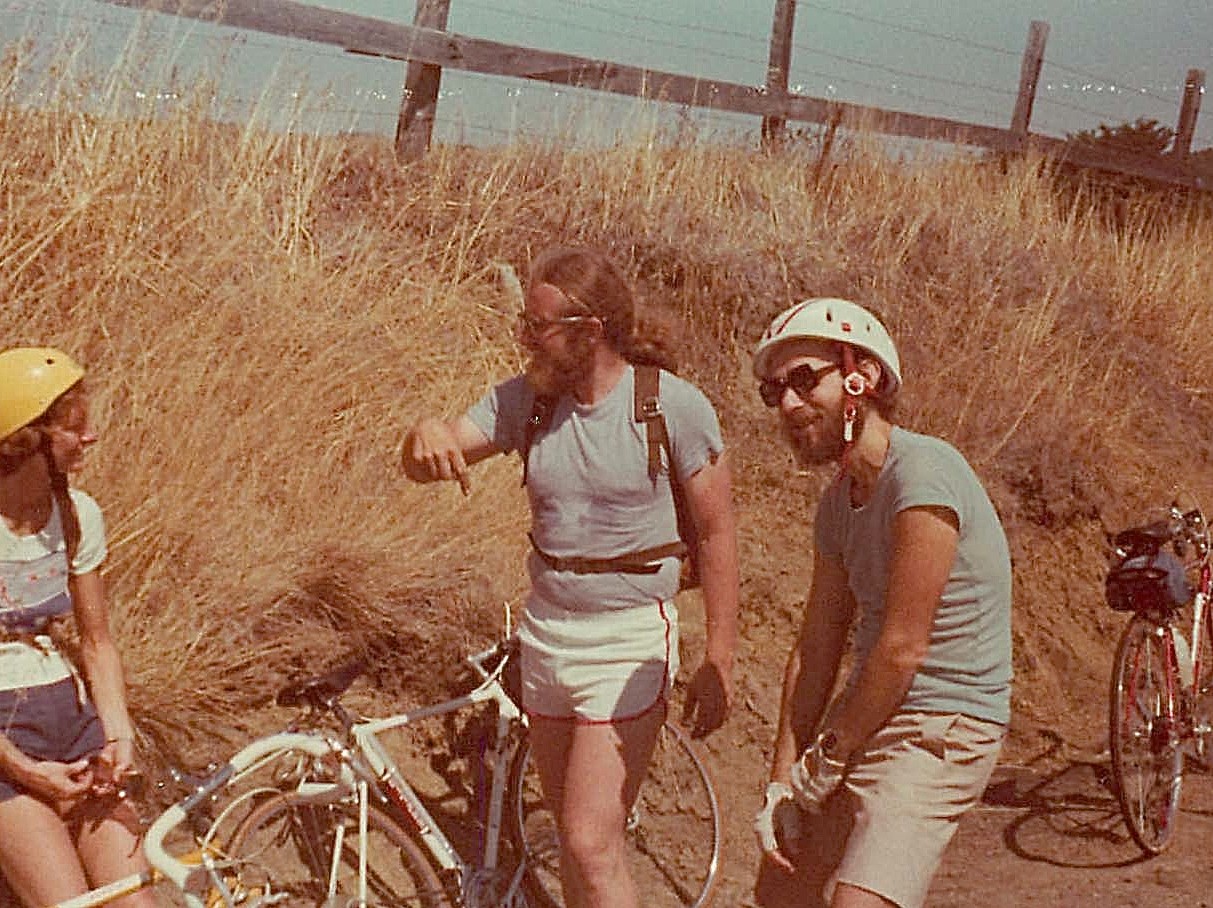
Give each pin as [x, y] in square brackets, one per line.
[909, 549]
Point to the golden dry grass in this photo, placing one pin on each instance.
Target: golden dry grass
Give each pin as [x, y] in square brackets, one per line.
[263, 315]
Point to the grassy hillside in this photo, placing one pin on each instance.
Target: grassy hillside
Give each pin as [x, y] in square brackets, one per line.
[264, 315]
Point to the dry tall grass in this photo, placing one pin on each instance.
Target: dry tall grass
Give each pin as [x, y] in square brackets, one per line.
[264, 314]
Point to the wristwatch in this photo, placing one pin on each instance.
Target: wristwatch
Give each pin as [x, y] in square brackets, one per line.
[827, 745]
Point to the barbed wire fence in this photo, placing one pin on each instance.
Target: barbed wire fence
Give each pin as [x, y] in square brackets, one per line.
[363, 94]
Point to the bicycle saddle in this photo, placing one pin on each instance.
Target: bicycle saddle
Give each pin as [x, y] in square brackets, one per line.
[1149, 538]
[321, 690]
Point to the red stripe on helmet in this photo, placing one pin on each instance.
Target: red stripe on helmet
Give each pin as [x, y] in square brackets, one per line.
[792, 313]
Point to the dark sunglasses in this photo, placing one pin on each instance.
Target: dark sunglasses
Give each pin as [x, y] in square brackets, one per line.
[802, 379]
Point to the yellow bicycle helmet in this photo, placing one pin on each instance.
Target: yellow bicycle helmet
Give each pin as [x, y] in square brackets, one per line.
[31, 379]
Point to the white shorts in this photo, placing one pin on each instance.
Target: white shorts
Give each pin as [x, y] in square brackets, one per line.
[597, 666]
[907, 792]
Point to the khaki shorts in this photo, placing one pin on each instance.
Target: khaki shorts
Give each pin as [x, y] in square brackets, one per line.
[907, 792]
[597, 666]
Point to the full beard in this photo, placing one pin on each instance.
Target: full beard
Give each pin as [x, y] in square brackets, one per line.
[550, 375]
[818, 442]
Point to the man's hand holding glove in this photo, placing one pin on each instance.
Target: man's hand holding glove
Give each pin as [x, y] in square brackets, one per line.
[778, 812]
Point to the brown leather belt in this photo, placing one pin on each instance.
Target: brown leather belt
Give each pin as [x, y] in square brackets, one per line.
[646, 561]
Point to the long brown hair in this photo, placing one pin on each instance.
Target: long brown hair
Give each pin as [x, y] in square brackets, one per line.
[588, 277]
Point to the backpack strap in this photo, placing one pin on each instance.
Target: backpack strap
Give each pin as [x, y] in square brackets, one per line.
[647, 408]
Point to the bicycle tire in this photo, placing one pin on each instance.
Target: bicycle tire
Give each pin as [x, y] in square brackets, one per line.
[673, 831]
[1147, 757]
[287, 844]
[1202, 701]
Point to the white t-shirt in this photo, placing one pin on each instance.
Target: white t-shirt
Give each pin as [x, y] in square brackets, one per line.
[33, 589]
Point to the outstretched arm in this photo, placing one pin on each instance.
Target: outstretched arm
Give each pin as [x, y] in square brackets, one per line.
[438, 449]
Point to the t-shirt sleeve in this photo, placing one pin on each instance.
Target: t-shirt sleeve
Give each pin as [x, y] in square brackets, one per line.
[503, 412]
[929, 478]
[691, 420]
[92, 549]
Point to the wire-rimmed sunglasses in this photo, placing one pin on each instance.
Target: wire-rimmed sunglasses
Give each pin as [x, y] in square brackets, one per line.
[536, 326]
[802, 379]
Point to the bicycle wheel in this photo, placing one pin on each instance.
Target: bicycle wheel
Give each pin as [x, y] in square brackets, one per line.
[308, 854]
[673, 832]
[1147, 756]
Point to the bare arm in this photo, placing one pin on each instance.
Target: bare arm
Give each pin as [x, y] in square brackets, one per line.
[709, 498]
[924, 550]
[102, 667]
[56, 783]
[812, 667]
[437, 449]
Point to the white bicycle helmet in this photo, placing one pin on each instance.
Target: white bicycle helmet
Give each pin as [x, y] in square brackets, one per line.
[829, 319]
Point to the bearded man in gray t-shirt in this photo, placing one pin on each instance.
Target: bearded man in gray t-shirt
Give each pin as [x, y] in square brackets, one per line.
[910, 552]
[599, 638]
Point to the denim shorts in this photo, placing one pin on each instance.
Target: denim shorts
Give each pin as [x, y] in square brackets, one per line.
[48, 722]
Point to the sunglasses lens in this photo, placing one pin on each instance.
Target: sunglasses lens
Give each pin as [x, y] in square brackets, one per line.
[802, 380]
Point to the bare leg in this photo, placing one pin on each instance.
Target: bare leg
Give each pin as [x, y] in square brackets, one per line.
[550, 743]
[110, 847]
[595, 773]
[37, 854]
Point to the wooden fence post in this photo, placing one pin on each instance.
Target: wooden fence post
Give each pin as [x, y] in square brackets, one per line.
[421, 82]
[774, 129]
[1029, 75]
[1194, 87]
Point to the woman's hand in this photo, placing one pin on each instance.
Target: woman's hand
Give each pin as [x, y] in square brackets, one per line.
[112, 765]
[61, 784]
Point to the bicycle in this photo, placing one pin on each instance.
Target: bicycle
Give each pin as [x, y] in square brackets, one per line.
[341, 824]
[1161, 703]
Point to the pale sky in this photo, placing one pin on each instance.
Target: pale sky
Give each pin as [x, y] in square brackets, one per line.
[1108, 61]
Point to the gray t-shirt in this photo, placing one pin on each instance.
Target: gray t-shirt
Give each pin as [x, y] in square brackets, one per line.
[968, 664]
[589, 486]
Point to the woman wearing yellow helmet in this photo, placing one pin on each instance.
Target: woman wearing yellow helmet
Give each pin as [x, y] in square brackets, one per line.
[65, 744]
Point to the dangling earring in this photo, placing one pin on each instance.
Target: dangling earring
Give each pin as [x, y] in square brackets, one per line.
[854, 384]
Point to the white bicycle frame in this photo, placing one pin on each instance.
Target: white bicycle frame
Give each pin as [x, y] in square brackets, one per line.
[361, 770]
[396, 787]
